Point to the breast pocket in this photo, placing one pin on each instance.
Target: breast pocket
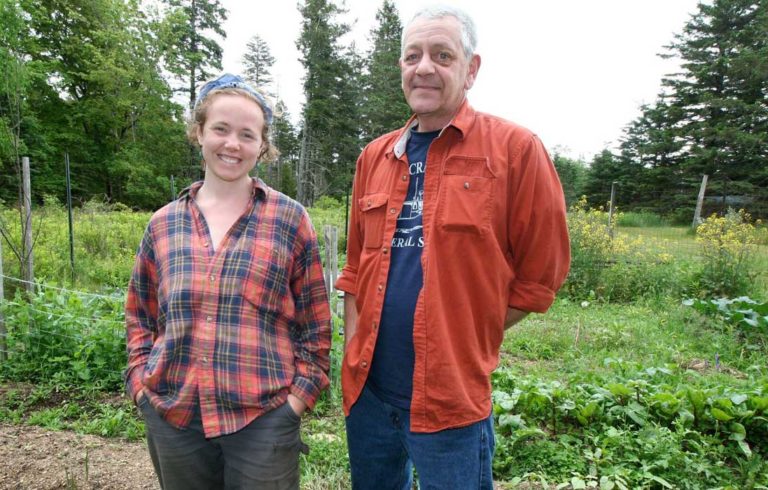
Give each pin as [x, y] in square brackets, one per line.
[266, 286]
[373, 209]
[466, 195]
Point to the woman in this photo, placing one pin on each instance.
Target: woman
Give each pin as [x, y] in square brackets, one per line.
[228, 325]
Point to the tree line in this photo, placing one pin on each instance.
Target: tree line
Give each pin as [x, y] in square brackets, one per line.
[99, 80]
[711, 118]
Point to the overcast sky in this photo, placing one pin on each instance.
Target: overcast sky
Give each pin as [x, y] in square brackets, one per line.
[575, 72]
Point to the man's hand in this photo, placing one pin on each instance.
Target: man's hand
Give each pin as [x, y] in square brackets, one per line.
[297, 405]
[514, 316]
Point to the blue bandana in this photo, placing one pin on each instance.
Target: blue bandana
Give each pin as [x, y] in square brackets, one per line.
[233, 81]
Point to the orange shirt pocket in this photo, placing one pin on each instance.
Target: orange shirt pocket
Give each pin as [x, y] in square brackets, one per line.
[466, 195]
[373, 209]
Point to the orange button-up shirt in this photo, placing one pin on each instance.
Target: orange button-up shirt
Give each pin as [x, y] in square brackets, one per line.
[495, 236]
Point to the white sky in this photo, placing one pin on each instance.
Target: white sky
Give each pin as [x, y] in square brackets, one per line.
[575, 72]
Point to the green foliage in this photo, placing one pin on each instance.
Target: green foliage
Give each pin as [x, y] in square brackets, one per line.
[190, 51]
[638, 219]
[644, 426]
[749, 317]
[65, 339]
[573, 175]
[622, 266]
[591, 249]
[105, 242]
[384, 108]
[331, 129]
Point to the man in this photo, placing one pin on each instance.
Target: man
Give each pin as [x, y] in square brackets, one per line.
[457, 231]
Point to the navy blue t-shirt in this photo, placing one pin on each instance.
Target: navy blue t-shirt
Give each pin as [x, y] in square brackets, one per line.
[391, 375]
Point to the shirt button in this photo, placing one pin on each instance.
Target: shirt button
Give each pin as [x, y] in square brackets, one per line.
[384, 250]
[374, 326]
[364, 364]
[381, 287]
[213, 278]
[205, 244]
[405, 177]
[466, 185]
[204, 360]
[209, 318]
[369, 203]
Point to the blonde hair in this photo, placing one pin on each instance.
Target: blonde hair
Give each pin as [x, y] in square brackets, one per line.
[199, 115]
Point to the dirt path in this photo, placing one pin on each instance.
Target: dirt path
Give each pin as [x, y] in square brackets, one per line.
[32, 458]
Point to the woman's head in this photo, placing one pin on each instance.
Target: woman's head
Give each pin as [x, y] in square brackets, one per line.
[231, 85]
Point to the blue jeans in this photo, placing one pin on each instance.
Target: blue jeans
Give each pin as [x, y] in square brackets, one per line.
[383, 451]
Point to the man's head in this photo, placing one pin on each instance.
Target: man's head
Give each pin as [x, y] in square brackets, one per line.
[438, 64]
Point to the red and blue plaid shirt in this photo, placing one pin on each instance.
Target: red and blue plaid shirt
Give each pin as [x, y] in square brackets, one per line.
[236, 329]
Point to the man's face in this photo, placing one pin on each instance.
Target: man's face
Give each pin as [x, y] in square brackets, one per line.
[435, 71]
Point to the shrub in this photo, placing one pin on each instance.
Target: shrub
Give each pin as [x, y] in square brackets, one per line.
[639, 219]
[609, 265]
[728, 245]
[591, 249]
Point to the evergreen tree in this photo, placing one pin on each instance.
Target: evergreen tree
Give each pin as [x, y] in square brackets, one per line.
[712, 117]
[191, 53]
[722, 93]
[280, 174]
[604, 169]
[330, 130]
[384, 108]
[573, 176]
[257, 64]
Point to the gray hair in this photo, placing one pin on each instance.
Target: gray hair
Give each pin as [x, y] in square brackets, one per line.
[467, 25]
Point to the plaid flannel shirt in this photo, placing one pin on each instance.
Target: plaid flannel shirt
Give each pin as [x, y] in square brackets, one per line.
[236, 329]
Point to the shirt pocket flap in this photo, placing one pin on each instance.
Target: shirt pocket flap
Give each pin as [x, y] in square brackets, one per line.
[468, 166]
[372, 201]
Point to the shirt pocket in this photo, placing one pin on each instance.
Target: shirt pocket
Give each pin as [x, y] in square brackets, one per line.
[373, 208]
[466, 195]
[266, 286]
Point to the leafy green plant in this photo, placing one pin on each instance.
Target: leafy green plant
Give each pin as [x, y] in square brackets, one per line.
[62, 338]
[748, 316]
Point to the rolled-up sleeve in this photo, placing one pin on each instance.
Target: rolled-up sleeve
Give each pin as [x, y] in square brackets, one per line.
[537, 231]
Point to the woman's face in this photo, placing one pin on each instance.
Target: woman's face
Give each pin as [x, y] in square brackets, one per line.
[231, 139]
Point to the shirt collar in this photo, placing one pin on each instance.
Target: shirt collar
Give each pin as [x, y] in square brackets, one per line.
[462, 121]
[259, 189]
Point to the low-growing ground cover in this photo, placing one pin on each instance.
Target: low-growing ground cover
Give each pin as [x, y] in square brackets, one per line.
[587, 392]
[645, 396]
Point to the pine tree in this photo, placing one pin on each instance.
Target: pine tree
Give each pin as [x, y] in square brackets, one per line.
[280, 174]
[384, 108]
[330, 129]
[721, 93]
[257, 64]
[712, 117]
[191, 53]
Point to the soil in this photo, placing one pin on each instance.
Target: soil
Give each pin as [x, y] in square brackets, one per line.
[33, 458]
